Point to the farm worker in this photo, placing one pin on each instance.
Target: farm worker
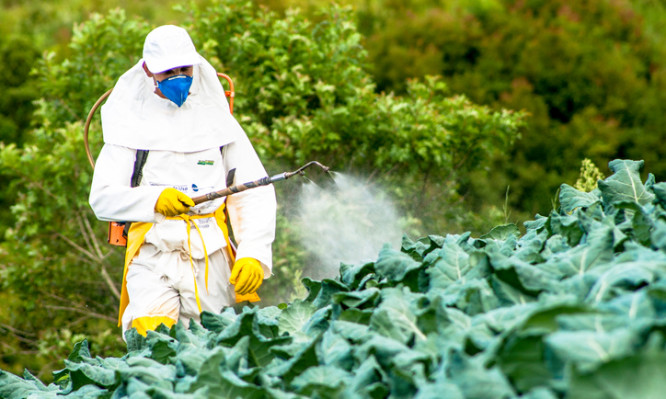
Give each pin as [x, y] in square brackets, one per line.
[179, 259]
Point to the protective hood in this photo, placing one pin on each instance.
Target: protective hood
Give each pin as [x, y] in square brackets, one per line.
[135, 117]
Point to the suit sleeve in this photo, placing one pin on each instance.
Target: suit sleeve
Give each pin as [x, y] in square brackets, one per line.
[111, 196]
[252, 213]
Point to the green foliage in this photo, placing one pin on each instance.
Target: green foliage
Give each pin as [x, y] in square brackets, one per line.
[590, 73]
[288, 261]
[18, 90]
[572, 308]
[49, 24]
[18, 87]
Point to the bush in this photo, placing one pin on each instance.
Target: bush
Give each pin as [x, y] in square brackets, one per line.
[590, 74]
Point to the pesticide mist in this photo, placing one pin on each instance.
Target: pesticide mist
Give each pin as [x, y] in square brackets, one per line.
[349, 221]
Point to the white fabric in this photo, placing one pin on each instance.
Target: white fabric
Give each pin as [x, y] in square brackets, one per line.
[168, 47]
[135, 117]
[251, 212]
[162, 284]
[169, 237]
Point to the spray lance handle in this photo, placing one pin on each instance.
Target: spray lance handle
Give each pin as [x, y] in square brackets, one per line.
[264, 181]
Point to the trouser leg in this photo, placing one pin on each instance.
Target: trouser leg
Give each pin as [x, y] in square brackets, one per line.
[219, 293]
[153, 300]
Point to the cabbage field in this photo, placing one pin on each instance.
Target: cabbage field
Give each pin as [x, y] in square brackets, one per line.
[574, 307]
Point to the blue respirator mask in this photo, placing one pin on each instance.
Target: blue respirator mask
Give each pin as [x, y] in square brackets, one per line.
[176, 88]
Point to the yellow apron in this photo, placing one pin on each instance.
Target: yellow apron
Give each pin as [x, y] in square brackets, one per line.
[136, 237]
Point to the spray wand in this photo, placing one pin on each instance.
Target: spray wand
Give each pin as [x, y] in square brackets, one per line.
[264, 181]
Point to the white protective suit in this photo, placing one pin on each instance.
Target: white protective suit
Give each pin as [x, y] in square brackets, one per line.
[191, 148]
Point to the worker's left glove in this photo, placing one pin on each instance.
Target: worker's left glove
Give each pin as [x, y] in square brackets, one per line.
[247, 275]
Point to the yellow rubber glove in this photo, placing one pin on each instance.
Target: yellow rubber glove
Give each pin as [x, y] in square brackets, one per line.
[172, 202]
[247, 275]
[253, 297]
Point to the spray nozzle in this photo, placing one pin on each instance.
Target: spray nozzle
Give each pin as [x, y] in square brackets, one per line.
[301, 170]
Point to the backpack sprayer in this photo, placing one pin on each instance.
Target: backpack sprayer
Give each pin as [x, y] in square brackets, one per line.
[118, 230]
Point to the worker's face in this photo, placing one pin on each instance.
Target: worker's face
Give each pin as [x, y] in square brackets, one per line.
[158, 77]
[183, 70]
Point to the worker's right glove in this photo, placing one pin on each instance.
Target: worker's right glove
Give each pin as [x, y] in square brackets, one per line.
[247, 275]
[172, 202]
[253, 297]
